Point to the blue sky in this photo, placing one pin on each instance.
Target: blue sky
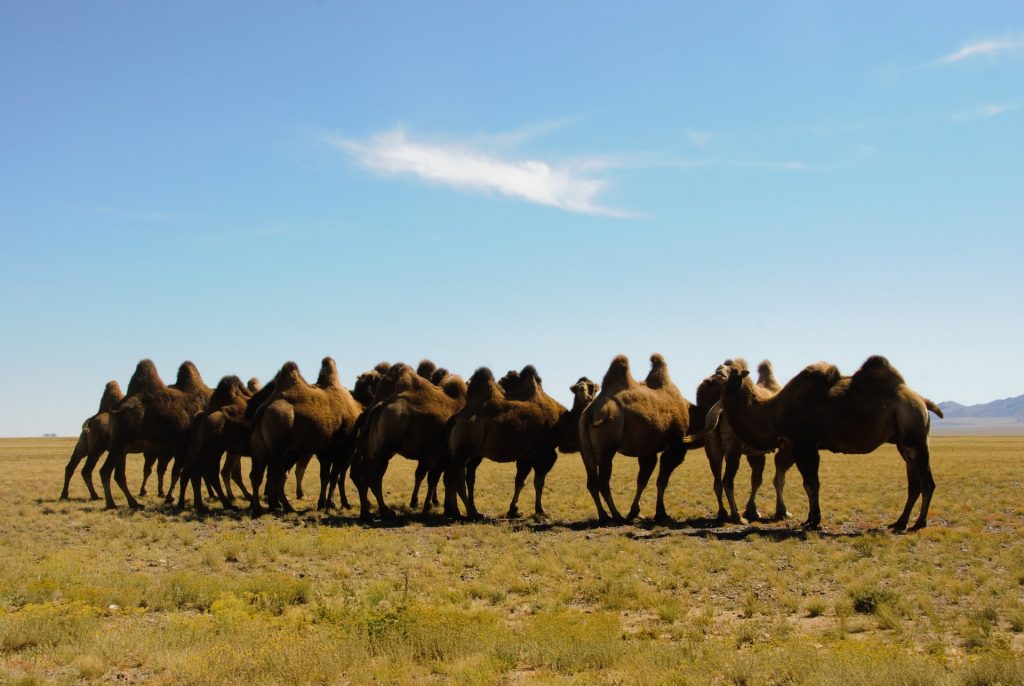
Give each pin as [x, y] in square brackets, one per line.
[551, 183]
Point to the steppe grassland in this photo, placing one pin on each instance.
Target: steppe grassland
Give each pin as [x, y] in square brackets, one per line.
[89, 596]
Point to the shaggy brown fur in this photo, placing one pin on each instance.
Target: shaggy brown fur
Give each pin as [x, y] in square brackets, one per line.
[723, 446]
[821, 409]
[411, 422]
[94, 440]
[522, 429]
[154, 417]
[639, 420]
[217, 429]
[300, 419]
[583, 392]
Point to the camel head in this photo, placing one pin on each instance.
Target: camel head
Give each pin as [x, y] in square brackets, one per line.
[584, 390]
[426, 368]
[366, 386]
[227, 391]
[730, 375]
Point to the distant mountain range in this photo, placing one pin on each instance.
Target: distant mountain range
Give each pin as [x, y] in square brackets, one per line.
[1004, 416]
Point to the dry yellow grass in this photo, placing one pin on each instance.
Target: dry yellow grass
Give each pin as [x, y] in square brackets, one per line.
[89, 596]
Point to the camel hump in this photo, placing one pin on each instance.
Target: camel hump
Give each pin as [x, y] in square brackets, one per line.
[328, 377]
[823, 372]
[366, 386]
[766, 376]
[289, 377]
[382, 367]
[658, 376]
[454, 387]
[145, 378]
[878, 375]
[737, 362]
[617, 377]
[188, 377]
[481, 386]
[426, 368]
[708, 393]
[254, 385]
[228, 389]
[111, 396]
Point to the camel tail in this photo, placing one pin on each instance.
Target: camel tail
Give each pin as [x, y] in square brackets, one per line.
[933, 407]
[710, 424]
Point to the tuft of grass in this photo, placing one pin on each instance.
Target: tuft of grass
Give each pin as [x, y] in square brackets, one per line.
[816, 607]
[868, 598]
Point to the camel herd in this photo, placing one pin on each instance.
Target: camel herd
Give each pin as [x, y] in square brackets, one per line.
[448, 426]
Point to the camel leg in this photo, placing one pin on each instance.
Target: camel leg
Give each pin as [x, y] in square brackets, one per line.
[422, 467]
[922, 459]
[783, 461]
[454, 486]
[95, 453]
[227, 468]
[543, 464]
[300, 472]
[162, 462]
[732, 466]
[646, 464]
[434, 475]
[326, 468]
[716, 456]
[81, 450]
[377, 483]
[604, 473]
[176, 467]
[807, 460]
[106, 471]
[338, 480]
[148, 460]
[590, 465]
[471, 468]
[213, 475]
[670, 459]
[236, 476]
[756, 463]
[257, 469]
[523, 467]
[122, 482]
[913, 488]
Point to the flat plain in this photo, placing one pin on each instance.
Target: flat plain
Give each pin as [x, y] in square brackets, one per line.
[159, 596]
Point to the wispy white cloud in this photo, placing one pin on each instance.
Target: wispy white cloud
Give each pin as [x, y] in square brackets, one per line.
[523, 134]
[465, 168]
[150, 216]
[989, 47]
[983, 112]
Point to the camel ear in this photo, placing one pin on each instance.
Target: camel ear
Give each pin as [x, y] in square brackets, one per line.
[744, 373]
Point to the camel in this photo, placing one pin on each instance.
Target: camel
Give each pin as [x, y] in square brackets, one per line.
[583, 392]
[639, 420]
[217, 429]
[722, 444]
[154, 417]
[821, 409]
[94, 440]
[521, 429]
[411, 422]
[300, 419]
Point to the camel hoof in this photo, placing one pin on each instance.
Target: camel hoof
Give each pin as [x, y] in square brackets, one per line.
[752, 515]
[64, 496]
[137, 506]
[632, 514]
[810, 525]
[513, 513]
[722, 516]
[541, 516]
[781, 516]
[737, 519]
[918, 525]
[142, 492]
[110, 506]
